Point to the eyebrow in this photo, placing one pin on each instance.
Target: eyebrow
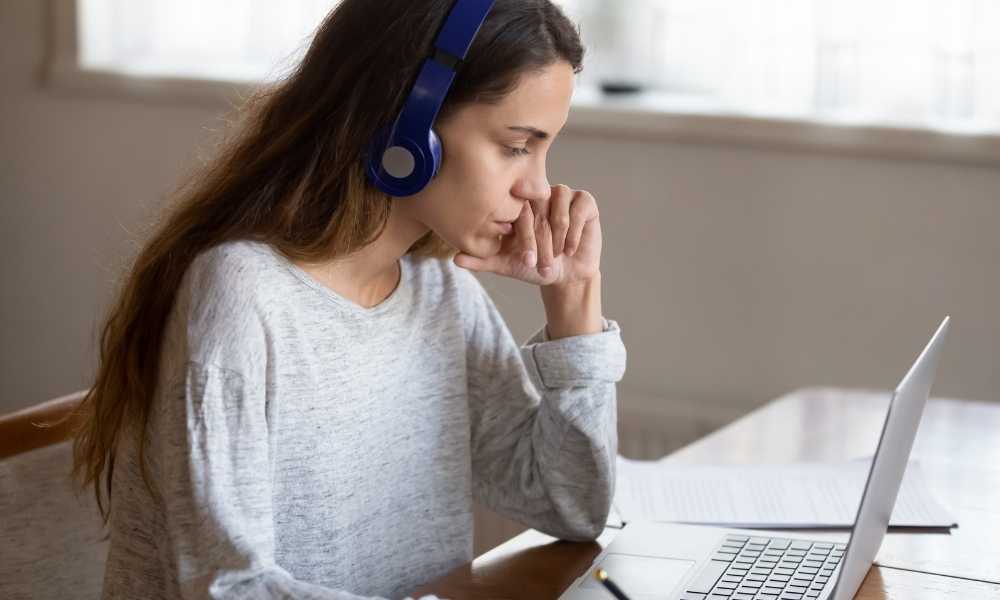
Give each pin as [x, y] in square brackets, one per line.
[538, 133]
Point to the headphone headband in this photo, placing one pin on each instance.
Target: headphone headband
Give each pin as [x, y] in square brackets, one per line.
[404, 157]
[461, 26]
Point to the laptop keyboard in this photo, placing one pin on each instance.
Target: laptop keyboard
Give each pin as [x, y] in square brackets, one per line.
[760, 568]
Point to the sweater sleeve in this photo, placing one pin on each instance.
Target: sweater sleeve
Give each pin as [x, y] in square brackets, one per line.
[544, 423]
[212, 462]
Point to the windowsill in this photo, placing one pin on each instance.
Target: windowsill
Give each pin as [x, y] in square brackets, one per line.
[652, 117]
[641, 117]
[64, 77]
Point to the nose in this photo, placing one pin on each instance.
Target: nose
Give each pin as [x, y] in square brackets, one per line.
[533, 183]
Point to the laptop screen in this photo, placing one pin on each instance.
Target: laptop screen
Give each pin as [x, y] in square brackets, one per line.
[888, 465]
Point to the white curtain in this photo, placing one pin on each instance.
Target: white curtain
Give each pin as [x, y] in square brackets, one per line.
[931, 63]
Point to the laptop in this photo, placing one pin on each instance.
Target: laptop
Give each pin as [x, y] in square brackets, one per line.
[668, 561]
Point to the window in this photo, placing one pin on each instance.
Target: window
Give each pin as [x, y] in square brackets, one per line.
[238, 40]
[933, 63]
[916, 65]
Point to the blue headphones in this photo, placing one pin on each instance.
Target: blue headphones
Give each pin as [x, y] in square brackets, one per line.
[404, 157]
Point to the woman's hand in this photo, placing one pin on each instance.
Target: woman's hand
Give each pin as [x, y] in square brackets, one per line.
[554, 242]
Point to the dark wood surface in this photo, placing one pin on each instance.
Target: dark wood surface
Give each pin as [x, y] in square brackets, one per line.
[25, 430]
[957, 446]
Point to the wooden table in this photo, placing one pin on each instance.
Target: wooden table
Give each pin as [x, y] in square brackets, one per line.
[958, 447]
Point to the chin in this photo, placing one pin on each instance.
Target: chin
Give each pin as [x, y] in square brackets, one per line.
[480, 246]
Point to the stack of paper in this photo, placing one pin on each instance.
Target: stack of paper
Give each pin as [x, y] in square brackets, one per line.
[794, 495]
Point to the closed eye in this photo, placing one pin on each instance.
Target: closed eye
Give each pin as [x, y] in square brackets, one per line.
[515, 151]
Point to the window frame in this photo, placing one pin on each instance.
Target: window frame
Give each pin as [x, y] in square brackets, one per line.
[646, 116]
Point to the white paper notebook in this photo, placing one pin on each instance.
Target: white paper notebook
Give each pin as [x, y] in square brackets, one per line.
[778, 496]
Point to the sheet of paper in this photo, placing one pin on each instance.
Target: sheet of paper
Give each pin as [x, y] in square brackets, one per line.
[614, 519]
[794, 495]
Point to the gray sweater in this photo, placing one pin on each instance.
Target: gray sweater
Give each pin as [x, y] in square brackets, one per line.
[304, 446]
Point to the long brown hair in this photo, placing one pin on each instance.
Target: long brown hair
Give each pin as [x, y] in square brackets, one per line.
[291, 174]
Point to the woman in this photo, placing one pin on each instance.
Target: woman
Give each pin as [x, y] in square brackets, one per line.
[302, 386]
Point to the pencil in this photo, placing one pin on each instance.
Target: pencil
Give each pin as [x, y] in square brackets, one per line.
[602, 576]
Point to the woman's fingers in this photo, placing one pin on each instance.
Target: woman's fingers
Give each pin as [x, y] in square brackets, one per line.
[524, 228]
[546, 234]
[543, 239]
[580, 213]
[560, 203]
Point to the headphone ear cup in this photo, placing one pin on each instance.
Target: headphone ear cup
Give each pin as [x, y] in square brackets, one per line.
[401, 166]
[434, 143]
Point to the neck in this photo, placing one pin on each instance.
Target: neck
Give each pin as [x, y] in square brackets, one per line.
[370, 274]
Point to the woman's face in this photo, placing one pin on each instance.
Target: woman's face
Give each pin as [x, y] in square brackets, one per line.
[493, 162]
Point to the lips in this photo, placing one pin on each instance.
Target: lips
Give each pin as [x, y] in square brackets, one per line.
[505, 227]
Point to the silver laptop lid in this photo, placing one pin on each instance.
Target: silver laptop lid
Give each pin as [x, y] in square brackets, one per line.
[888, 465]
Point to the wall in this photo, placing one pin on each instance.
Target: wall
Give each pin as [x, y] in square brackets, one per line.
[736, 273]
